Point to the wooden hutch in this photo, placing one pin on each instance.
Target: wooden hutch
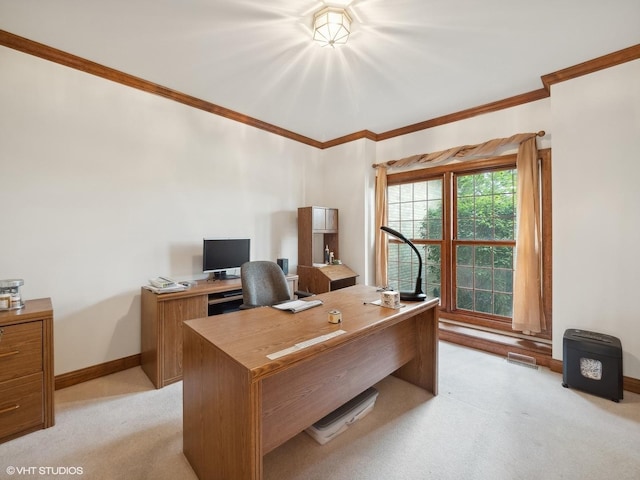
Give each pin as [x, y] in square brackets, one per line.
[318, 230]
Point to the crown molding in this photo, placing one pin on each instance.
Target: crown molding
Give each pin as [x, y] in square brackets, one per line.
[72, 61]
[591, 66]
[45, 52]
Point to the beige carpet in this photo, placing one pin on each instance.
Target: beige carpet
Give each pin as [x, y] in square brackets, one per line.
[492, 420]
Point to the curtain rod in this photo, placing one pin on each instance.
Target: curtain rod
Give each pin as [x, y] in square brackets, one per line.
[462, 150]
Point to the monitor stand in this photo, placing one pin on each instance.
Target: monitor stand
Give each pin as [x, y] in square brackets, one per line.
[223, 276]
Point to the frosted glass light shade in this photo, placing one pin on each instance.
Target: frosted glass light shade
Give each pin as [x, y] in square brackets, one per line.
[331, 26]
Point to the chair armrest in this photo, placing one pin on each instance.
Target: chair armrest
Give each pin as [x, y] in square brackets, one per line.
[302, 294]
[244, 306]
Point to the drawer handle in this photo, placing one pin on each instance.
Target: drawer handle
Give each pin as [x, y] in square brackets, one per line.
[9, 354]
[9, 409]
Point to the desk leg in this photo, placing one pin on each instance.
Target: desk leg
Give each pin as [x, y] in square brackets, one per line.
[422, 370]
[221, 414]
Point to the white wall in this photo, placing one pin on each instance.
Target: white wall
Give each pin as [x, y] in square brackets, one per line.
[83, 162]
[530, 117]
[341, 179]
[596, 233]
[104, 186]
[592, 124]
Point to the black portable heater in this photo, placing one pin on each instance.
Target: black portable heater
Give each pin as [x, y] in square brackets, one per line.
[592, 362]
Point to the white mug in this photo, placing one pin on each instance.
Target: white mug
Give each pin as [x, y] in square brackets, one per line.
[390, 299]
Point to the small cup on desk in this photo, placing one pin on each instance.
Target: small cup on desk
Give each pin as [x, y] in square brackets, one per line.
[335, 316]
[390, 299]
[5, 300]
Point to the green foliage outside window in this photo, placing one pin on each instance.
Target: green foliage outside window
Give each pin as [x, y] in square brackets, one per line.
[485, 279]
[486, 206]
[485, 210]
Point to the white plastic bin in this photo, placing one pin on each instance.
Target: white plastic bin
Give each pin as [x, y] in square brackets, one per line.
[343, 417]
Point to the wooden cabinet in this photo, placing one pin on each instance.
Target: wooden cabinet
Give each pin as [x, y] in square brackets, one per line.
[161, 322]
[317, 229]
[26, 369]
[162, 316]
[325, 220]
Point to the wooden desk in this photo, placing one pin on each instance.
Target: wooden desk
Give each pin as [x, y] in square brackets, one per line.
[162, 316]
[238, 404]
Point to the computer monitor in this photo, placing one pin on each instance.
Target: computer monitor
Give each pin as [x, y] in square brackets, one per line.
[221, 254]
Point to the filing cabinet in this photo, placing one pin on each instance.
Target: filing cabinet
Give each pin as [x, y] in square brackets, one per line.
[26, 369]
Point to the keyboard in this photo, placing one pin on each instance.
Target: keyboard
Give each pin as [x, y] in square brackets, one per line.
[232, 293]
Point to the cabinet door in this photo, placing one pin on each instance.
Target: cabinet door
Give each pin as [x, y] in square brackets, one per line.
[319, 218]
[325, 220]
[331, 219]
[174, 312]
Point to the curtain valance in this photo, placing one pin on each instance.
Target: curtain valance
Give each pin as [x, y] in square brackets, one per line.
[465, 152]
[528, 314]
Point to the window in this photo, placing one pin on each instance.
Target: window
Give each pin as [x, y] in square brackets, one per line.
[484, 241]
[415, 209]
[462, 219]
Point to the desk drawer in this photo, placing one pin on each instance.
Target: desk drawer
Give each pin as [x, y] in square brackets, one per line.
[20, 350]
[21, 404]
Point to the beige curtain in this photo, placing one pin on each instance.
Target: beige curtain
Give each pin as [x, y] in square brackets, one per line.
[528, 315]
[381, 219]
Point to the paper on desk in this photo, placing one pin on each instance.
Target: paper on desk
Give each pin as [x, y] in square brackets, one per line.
[174, 288]
[298, 305]
[379, 303]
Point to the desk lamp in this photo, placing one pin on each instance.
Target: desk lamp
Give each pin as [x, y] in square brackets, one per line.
[417, 295]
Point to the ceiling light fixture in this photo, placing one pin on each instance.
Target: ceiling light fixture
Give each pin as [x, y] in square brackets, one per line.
[331, 26]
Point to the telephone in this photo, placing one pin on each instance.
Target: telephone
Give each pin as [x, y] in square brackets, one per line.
[163, 282]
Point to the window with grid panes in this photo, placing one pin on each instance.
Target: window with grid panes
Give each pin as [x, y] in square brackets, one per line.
[484, 241]
[462, 218]
[484, 215]
[416, 210]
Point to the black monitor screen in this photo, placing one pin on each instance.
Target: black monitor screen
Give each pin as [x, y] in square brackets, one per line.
[219, 254]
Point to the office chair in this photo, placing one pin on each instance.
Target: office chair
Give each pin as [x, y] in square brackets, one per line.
[264, 284]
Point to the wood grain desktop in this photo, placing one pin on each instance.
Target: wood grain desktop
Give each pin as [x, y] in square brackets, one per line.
[239, 405]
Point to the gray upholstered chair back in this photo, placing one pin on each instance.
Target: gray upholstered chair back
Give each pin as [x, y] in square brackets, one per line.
[263, 283]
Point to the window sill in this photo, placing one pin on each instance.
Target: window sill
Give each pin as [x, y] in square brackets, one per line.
[496, 343]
